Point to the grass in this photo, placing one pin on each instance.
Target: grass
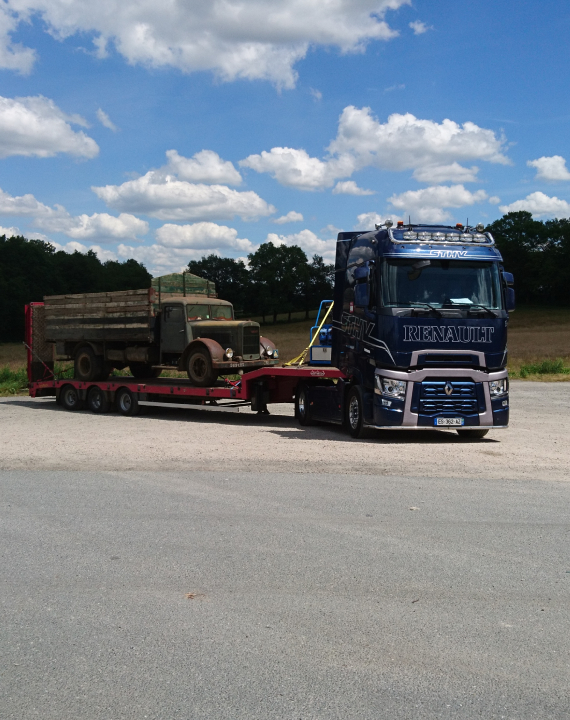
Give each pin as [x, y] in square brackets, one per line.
[539, 348]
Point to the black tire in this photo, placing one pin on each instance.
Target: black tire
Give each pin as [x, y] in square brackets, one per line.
[355, 413]
[200, 370]
[97, 401]
[88, 366]
[472, 433]
[126, 402]
[140, 371]
[69, 398]
[302, 407]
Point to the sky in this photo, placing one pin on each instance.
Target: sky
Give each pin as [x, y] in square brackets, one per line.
[169, 131]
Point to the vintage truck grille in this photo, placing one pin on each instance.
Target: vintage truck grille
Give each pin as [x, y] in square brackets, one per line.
[250, 340]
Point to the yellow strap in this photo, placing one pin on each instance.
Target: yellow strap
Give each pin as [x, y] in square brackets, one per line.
[299, 359]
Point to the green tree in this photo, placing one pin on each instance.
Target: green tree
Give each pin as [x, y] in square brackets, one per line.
[231, 278]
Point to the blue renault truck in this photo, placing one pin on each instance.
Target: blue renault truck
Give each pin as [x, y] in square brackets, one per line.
[418, 333]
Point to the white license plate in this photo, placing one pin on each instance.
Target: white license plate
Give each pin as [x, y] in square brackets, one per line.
[447, 422]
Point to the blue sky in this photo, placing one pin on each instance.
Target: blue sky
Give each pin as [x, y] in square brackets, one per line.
[285, 120]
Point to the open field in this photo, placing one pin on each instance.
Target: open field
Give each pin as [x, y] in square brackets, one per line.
[536, 335]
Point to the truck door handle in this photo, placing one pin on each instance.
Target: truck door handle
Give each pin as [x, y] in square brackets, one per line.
[181, 330]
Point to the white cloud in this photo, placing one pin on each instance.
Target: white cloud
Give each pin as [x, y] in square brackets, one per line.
[205, 166]
[405, 142]
[454, 172]
[158, 259]
[307, 241]
[102, 227]
[252, 39]
[74, 246]
[433, 150]
[291, 216]
[10, 231]
[368, 221]
[494, 200]
[317, 94]
[349, 187]
[538, 204]
[202, 236]
[106, 121]
[395, 87]
[13, 56]
[22, 205]
[296, 168]
[427, 205]
[420, 27]
[551, 169]
[35, 126]
[168, 199]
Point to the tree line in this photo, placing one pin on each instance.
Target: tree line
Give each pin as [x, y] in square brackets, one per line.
[277, 279]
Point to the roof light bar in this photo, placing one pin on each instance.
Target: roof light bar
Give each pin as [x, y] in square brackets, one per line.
[455, 237]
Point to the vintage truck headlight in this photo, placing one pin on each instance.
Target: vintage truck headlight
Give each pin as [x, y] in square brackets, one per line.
[498, 387]
[269, 351]
[229, 353]
[392, 388]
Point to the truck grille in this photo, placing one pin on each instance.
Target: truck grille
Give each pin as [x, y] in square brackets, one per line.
[250, 341]
[434, 400]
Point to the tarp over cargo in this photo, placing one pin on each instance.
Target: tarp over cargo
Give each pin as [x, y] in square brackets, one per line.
[184, 283]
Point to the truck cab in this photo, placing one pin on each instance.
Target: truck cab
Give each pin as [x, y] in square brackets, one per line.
[419, 328]
[200, 335]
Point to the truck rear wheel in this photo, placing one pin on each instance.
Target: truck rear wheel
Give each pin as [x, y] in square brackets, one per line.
[355, 413]
[472, 434]
[69, 398]
[200, 370]
[88, 366]
[144, 370]
[126, 402]
[302, 408]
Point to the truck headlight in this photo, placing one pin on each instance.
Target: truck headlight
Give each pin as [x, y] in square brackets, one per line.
[229, 353]
[498, 387]
[392, 388]
[269, 351]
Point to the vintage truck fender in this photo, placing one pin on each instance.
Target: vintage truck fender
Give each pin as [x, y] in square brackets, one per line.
[215, 349]
[265, 343]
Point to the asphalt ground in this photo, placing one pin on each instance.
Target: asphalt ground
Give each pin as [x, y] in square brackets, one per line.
[213, 585]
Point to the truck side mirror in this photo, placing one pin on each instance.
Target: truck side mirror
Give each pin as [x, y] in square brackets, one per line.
[362, 273]
[510, 299]
[508, 279]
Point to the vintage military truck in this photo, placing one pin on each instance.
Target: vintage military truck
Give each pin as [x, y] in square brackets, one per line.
[178, 323]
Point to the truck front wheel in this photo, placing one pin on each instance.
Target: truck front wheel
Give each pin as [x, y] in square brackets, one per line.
[355, 413]
[200, 370]
[472, 434]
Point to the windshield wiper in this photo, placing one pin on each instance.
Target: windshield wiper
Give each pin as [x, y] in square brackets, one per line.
[474, 306]
[427, 305]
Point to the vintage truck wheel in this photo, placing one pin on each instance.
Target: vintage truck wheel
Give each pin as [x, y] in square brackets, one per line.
[97, 400]
[69, 398]
[88, 366]
[472, 434]
[199, 368]
[144, 370]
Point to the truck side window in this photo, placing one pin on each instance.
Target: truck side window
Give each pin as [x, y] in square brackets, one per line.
[173, 314]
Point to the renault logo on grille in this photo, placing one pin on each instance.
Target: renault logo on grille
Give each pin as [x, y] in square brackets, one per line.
[448, 388]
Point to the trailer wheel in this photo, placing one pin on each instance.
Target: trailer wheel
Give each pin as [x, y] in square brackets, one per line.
[355, 413]
[472, 433]
[302, 408]
[88, 366]
[144, 370]
[199, 368]
[127, 402]
[97, 400]
[69, 398]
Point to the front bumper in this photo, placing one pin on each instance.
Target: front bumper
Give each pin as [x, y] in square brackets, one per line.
[472, 401]
[229, 367]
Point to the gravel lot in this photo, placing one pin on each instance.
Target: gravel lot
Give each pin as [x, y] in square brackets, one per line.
[37, 434]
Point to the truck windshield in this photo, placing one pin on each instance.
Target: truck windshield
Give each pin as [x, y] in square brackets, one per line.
[198, 312]
[221, 312]
[440, 283]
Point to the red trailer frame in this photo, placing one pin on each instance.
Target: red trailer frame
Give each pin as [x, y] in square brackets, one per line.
[256, 389]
